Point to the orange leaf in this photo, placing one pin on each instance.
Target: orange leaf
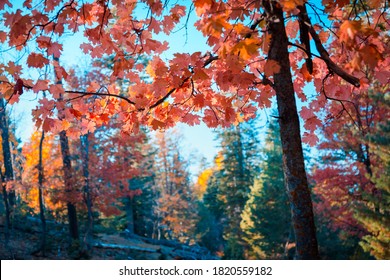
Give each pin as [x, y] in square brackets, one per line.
[156, 124]
[348, 31]
[289, 5]
[306, 75]
[200, 75]
[247, 48]
[75, 113]
[370, 55]
[271, 67]
[201, 3]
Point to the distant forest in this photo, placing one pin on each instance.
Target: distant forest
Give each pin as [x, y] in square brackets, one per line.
[140, 186]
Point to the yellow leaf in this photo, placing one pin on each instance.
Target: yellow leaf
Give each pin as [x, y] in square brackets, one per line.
[150, 71]
[348, 31]
[247, 48]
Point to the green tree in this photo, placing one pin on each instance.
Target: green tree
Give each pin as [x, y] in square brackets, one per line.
[229, 186]
[266, 219]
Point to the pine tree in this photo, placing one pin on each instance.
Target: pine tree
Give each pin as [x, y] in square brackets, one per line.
[229, 186]
[266, 220]
[210, 226]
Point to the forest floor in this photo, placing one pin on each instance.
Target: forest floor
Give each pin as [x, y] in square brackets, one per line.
[24, 241]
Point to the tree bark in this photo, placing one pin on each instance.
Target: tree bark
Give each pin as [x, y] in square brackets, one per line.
[7, 156]
[7, 211]
[293, 161]
[67, 167]
[87, 193]
[130, 215]
[40, 196]
[8, 197]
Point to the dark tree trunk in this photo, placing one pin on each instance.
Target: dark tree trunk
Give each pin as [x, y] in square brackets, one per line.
[7, 210]
[9, 174]
[293, 162]
[40, 196]
[130, 215]
[87, 193]
[67, 167]
[8, 197]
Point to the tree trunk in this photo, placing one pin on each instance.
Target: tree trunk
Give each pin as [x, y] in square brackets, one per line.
[7, 156]
[87, 193]
[67, 167]
[7, 211]
[40, 196]
[130, 215]
[8, 197]
[293, 162]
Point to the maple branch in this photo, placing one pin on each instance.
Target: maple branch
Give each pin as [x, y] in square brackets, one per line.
[160, 101]
[253, 27]
[100, 94]
[104, 15]
[43, 25]
[320, 18]
[265, 80]
[325, 55]
[303, 49]
[304, 36]
[341, 101]
[165, 97]
[205, 64]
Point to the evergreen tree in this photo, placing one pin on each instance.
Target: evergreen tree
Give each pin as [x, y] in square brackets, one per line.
[229, 186]
[266, 219]
[210, 225]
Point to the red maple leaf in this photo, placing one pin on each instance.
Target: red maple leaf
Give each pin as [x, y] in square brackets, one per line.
[37, 60]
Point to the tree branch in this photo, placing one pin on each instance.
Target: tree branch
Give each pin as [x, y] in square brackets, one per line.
[165, 97]
[325, 55]
[101, 94]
